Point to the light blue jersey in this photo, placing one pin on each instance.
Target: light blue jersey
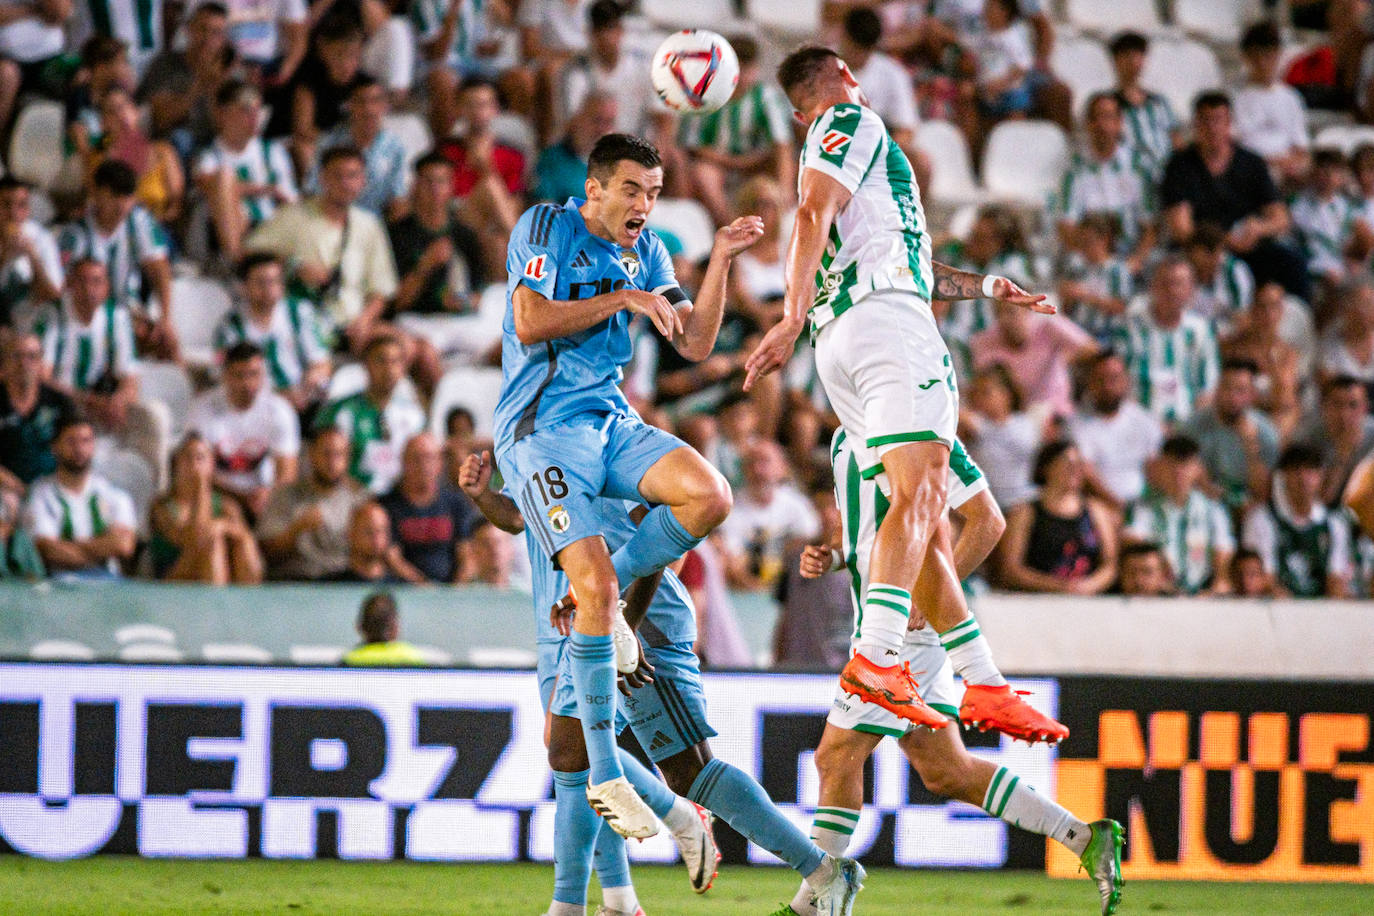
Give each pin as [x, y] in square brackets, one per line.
[552, 252]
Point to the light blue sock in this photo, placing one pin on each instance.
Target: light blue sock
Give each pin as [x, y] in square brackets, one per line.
[575, 828]
[610, 861]
[656, 795]
[737, 799]
[659, 540]
[593, 674]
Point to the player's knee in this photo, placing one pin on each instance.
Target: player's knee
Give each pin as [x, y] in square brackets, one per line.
[710, 498]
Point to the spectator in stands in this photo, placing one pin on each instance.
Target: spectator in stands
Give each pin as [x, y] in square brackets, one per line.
[284, 328]
[1302, 543]
[1152, 127]
[270, 36]
[751, 134]
[372, 556]
[1225, 285]
[30, 265]
[1145, 572]
[317, 96]
[561, 170]
[122, 236]
[1096, 283]
[492, 558]
[1170, 352]
[104, 65]
[1239, 443]
[384, 158]
[1329, 224]
[1004, 59]
[1249, 579]
[179, 86]
[1362, 165]
[440, 261]
[886, 83]
[1350, 350]
[1038, 351]
[816, 613]
[82, 524]
[1259, 338]
[720, 642]
[199, 534]
[1001, 436]
[430, 520]
[996, 244]
[1108, 175]
[31, 40]
[1359, 497]
[389, 48]
[252, 432]
[1116, 436]
[770, 518]
[379, 625]
[30, 412]
[551, 33]
[1214, 180]
[1064, 541]
[459, 39]
[488, 176]
[1271, 119]
[1342, 431]
[161, 183]
[242, 176]
[757, 284]
[1193, 530]
[610, 67]
[19, 556]
[379, 420]
[304, 531]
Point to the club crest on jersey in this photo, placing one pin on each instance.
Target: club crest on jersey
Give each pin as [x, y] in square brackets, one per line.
[834, 141]
[559, 520]
[534, 267]
[630, 261]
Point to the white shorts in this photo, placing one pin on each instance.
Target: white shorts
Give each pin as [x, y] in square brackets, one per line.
[934, 682]
[888, 375]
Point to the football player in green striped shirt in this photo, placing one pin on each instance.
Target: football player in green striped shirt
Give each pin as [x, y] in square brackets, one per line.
[854, 728]
[750, 134]
[859, 267]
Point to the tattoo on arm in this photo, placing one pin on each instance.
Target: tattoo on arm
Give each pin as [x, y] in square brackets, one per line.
[951, 284]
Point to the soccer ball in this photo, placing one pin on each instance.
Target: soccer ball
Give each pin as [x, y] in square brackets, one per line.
[695, 70]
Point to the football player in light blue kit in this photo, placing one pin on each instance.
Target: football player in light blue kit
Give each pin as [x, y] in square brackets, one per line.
[565, 434]
[668, 716]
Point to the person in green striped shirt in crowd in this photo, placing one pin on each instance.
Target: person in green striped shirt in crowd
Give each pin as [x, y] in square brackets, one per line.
[1172, 354]
[1192, 529]
[284, 327]
[1152, 127]
[751, 134]
[1329, 223]
[1095, 283]
[137, 23]
[1225, 285]
[1302, 543]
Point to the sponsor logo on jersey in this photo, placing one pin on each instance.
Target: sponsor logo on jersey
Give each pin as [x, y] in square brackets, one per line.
[834, 141]
[630, 261]
[534, 267]
[559, 519]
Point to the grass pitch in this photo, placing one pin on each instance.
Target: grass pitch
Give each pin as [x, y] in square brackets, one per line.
[114, 886]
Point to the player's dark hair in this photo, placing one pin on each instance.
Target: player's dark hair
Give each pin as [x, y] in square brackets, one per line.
[1300, 456]
[605, 14]
[433, 157]
[1180, 448]
[863, 27]
[614, 148]
[1208, 235]
[1328, 158]
[478, 82]
[1214, 98]
[1262, 36]
[746, 49]
[1128, 41]
[1240, 364]
[116, 177]
[241, 352]
[1242, 555]
[1342, 382]
[337, 153]
[232, 92]
[377, 616]
[803, 65]
[458, 413]
[102, 49]
[253, 260]
[1048, 454]
[67, 420]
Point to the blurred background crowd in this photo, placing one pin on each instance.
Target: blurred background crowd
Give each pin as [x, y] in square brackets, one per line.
[252, 278]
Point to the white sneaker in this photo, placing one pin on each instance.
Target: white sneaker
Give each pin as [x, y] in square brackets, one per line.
[699, 851]
[621, 807]
[626, 643]
[836, 898]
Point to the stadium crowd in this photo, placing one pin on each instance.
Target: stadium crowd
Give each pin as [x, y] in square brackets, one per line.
[1195, 421]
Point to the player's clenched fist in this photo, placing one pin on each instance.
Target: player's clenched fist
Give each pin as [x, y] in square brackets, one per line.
[739, 235]
[816, 561]
[474, 475]
[656, 308]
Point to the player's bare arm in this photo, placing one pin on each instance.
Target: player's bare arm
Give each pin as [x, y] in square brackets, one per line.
[822, 198]
[701, 320]
[952, 284]
[474, 479]
[539, 319]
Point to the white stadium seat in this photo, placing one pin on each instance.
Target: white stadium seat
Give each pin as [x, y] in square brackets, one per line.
[1179, 70]
[198, 304]
[150, 652]
[129, 471]
[63, 650]
[1215, 21]
[235, 653]
[475, 387]
[166, 384]
[317, 655]
[1084, 64]
[501, 657]
[717, 15]
[36, 146]
[951, 180]
[1024, 161]
[688, 222]
[351, 378]
[144, 633]
[1110, 16]
[791, 17]
[514, 130]
[432, 655]
[1344, 137]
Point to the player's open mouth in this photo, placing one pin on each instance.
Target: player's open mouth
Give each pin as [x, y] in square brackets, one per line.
[634, 225]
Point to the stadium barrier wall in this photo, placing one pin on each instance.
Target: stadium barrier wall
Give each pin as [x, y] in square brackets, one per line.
[1220, 779]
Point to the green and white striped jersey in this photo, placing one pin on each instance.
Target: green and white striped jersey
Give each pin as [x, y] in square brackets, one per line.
[80, 354]
[137, 23]
[967, 317]
[1123, 185]
[261, 162]
[863, 507]
[879, 240]
[753, 120]
[1324, 228]
[291, 342]
[1110, 278]
[138, 238]
[1150, 128]
[376, 436]
[1190, 535]
[1171, 368]
[1230, 292]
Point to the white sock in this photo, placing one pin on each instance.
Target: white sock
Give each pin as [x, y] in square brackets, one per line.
[831, 830]
[567, 909]
[823, 873]
[620, 899]
[682, 817]
[882, 625]
[971, 655]
[1018, 803]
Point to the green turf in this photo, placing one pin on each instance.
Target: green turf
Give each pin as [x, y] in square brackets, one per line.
[110, 885]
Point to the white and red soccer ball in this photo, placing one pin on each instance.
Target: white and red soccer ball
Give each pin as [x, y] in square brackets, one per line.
[695, 71]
